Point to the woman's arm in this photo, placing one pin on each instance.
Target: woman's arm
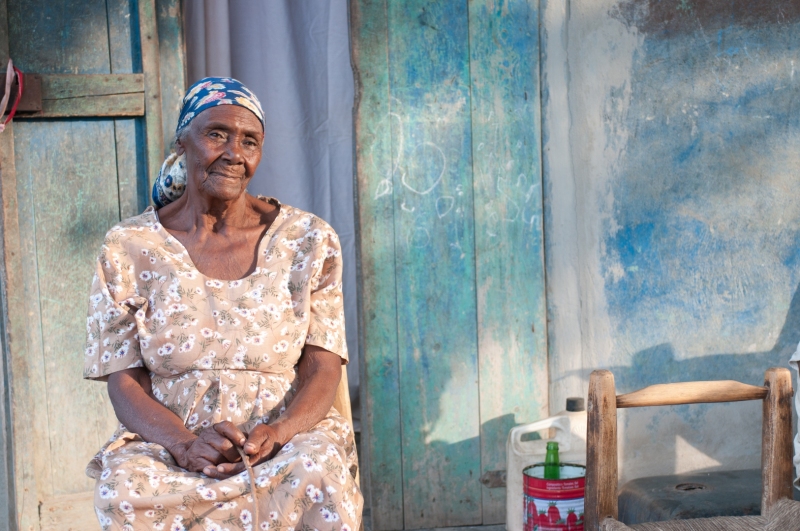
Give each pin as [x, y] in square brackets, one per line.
[131, 395]
[319, 372]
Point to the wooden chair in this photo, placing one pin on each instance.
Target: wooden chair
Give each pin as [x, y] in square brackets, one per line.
[777, 512]
[342, 399]
[342, 404]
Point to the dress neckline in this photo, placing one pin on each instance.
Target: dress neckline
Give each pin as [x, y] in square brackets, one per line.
[170, 239]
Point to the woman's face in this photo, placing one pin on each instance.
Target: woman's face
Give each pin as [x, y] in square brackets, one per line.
[223, 149]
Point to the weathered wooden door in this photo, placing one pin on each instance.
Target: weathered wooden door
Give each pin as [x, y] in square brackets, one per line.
[66, 177]
[450, 206]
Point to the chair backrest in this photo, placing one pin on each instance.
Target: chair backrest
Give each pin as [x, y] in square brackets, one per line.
[342, 399]
[342, 404]
[601, 440]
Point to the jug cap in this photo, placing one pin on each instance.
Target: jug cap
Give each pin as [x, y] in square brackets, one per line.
[575, 403]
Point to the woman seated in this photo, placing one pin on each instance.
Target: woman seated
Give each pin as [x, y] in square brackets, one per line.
[217, 321]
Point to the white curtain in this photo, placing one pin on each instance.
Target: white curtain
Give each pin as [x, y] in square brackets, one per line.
[295, 55]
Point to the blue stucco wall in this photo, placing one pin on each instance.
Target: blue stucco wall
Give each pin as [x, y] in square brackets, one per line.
[705, 226]
[672, 178]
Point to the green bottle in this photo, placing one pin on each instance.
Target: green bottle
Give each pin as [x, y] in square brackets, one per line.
[551, 465]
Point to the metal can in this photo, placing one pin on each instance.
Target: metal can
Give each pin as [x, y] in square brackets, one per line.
[554, 504]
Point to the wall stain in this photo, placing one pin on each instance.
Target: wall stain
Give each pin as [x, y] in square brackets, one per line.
[666, 18]
[703, 238]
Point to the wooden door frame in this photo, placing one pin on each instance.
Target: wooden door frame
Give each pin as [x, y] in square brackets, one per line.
[20, 500]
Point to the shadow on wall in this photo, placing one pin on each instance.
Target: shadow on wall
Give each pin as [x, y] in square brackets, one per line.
[474, 499]
[658, 364]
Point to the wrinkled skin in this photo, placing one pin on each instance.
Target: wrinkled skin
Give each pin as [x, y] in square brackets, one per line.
[221, 225]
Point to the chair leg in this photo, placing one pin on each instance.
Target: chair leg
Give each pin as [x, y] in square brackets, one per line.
[601, 455]
[776, 439]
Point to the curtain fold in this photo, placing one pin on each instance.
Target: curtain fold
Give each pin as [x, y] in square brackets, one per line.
[296, 57]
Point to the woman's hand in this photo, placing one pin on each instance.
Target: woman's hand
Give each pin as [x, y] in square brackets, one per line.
[204, 452]
[319, 373]
[261, 444]
[131, 394]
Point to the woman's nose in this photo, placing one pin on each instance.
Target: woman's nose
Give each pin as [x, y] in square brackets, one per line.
[233, 151]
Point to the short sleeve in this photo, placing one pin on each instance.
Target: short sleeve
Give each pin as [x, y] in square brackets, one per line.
[326, 324]
[112, 340]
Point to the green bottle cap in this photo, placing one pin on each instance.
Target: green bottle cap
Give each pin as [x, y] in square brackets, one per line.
[552, 446]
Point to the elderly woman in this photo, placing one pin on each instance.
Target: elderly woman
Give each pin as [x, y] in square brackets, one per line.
[217, 321]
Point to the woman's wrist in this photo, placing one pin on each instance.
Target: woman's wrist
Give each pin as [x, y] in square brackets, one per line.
[178, 445]
[283, 428]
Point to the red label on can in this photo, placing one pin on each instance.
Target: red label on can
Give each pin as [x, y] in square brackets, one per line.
[553, 504]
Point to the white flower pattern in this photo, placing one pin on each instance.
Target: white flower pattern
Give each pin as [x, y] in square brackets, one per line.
[217, 350]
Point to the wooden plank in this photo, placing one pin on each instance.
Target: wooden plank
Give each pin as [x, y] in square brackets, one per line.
[601, 451]
[70, 39]
[6, 432]
[341, 400]
[30, 396]
[435, 262]
[382, 432]
[72, 512]
[42, 43]
[130, 167]
[172, 66]
[13, 321]
[154, 134]
[691, 393]
[58, 244]
[123, 36]
[776, 442]
[506, 151]
[67, 86]
[79, 95]
[90, 95]
[92, 107]
[69, 219]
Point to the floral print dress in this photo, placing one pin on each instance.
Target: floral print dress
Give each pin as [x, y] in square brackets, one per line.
[221, 350]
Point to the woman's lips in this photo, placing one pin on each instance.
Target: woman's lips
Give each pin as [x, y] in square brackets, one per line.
[221, 175]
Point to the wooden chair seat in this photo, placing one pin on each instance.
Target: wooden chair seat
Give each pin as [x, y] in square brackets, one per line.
[720, 523]
[784, 516]
[778, 512]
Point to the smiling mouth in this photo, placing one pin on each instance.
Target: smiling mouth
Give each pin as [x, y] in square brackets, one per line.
[221, 175]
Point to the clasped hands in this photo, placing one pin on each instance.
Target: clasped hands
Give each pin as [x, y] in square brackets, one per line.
[213, 452]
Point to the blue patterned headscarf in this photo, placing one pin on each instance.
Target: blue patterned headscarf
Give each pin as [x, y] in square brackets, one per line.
[206, 93]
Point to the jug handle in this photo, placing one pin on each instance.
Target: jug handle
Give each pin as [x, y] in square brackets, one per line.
[560, 424]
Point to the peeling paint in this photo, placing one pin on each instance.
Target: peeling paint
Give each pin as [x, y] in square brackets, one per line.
[672, 147]
[672, 18]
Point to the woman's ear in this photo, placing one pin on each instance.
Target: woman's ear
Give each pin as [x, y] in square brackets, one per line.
[179, 148]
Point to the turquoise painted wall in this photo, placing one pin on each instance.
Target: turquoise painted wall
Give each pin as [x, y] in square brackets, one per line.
[672, 156]
[452, 294]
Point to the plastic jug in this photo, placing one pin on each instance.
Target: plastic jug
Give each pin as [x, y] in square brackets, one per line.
[569, 431]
